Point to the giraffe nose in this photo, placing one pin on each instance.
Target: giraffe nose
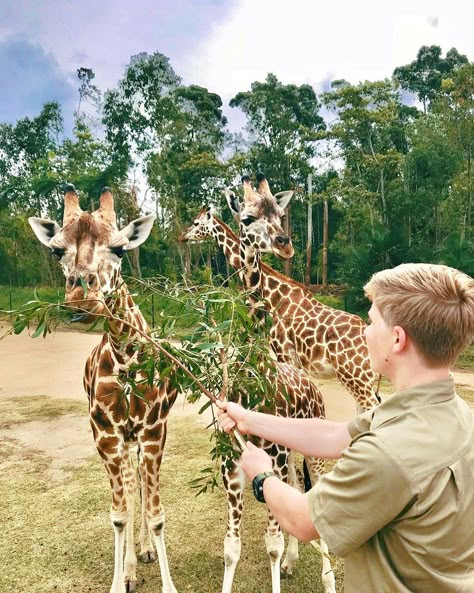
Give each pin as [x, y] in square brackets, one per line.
[282, 240]
[92, 280]
[72, 281]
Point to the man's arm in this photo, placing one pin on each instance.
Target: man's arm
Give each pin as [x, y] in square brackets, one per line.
[310, 436]
[289, 506]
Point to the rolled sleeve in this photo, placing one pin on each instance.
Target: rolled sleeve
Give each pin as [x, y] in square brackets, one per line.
[367, 489]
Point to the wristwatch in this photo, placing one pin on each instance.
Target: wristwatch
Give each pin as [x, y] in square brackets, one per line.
[257, 484]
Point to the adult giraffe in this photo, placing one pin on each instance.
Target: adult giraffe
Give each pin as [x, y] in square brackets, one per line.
[89, 247]
[304, 332]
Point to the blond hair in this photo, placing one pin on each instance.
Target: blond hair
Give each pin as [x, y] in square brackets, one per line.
[434, 304]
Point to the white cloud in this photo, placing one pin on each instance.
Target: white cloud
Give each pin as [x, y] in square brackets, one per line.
[309, 41]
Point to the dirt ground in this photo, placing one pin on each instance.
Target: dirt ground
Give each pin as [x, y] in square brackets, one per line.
[53, 367]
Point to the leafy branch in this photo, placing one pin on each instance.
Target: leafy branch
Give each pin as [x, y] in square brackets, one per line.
[222, 353]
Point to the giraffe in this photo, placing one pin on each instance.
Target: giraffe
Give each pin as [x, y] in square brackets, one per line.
[89, 247]
[296, 397]
[304, 332]
[301, 400]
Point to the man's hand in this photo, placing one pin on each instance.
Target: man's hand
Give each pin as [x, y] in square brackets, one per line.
[255, 461]
[230, 415]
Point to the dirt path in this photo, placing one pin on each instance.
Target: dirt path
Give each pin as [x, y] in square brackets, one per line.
[54, 367]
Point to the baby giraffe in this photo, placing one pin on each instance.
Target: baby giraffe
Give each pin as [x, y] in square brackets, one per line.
[296, 397]
[90, 247]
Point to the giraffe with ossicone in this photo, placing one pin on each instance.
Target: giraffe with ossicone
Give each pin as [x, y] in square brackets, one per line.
[90, 247]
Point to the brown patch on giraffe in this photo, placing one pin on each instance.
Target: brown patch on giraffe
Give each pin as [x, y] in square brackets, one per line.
[137, 406]
[153, 414]
[101, 420]
[106, 365]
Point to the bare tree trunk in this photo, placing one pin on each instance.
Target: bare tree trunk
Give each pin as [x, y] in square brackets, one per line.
[287, 264]
[187, 261]
[309, 244]
[469, 196]
[325, 244]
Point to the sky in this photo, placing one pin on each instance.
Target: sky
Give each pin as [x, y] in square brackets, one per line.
[224, 45]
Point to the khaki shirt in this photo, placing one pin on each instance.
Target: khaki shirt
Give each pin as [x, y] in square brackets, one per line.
[399, 504]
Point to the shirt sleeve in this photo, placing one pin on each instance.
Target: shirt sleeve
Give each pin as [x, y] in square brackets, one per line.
[360, 423]
[367, 490]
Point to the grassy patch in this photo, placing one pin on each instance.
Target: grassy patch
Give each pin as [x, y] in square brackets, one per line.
[57, 535]
[14, 297]
[26, 408]
[466, 359]
[467, 393]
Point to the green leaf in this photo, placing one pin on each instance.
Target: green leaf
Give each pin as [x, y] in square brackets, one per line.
[39, 330]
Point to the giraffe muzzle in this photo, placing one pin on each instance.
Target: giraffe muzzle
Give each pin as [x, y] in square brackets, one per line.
[282, 247]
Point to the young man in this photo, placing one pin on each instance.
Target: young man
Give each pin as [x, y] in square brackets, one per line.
[399, 504]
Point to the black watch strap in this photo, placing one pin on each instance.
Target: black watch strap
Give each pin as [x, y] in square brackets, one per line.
[257, 485]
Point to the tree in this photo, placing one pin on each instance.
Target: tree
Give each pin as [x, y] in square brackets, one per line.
[424, 75]
[87, 90]
[283, 124]
[138, 111]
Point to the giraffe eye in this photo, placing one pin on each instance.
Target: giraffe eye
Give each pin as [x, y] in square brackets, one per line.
[195, 223]
[248, 220]
[118, 251]
[58, 252]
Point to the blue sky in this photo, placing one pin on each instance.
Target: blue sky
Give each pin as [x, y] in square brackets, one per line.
[224, 45]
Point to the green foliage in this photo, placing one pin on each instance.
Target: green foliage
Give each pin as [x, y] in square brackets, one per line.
[424, 76]
[403, 189]
[219, 351]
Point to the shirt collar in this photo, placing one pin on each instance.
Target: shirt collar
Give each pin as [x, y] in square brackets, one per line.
[421, 395]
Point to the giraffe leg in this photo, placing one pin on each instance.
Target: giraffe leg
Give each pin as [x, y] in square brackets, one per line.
[111, 451]
[274, 540]
[147, 550]
[316, 469]
[130, 483]
[152, 453]
[234, 482]
[291, 556]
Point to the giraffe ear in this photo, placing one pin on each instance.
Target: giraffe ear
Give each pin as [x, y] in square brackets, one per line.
[233, 202]
[44, 229]
[138, 230]
[283, 197]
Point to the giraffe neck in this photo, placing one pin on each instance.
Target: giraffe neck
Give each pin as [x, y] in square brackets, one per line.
[228, 241]
[251, 264]
[121, 336]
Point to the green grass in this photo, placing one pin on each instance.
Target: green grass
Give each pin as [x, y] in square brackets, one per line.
[57, 535]
[466, 359]
[27, 408]
[14, 297]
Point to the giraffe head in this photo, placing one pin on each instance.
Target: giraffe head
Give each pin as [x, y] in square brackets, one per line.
[260, 216]
[200, 229]
[90, 247]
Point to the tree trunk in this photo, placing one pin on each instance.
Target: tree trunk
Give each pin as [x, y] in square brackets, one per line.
[469, 196]
[325, 244]
[287, 264]
[309, 244]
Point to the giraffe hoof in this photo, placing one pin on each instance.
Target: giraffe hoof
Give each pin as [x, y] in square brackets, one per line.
[286, 570]
[148, 557]
[130, 586]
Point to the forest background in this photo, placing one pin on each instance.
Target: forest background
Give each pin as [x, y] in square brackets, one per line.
[385, 166]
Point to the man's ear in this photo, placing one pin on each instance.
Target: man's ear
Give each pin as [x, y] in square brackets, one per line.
[138, 230]
[283, 197]
[400, 339]
[44, 229]
[233, 202]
